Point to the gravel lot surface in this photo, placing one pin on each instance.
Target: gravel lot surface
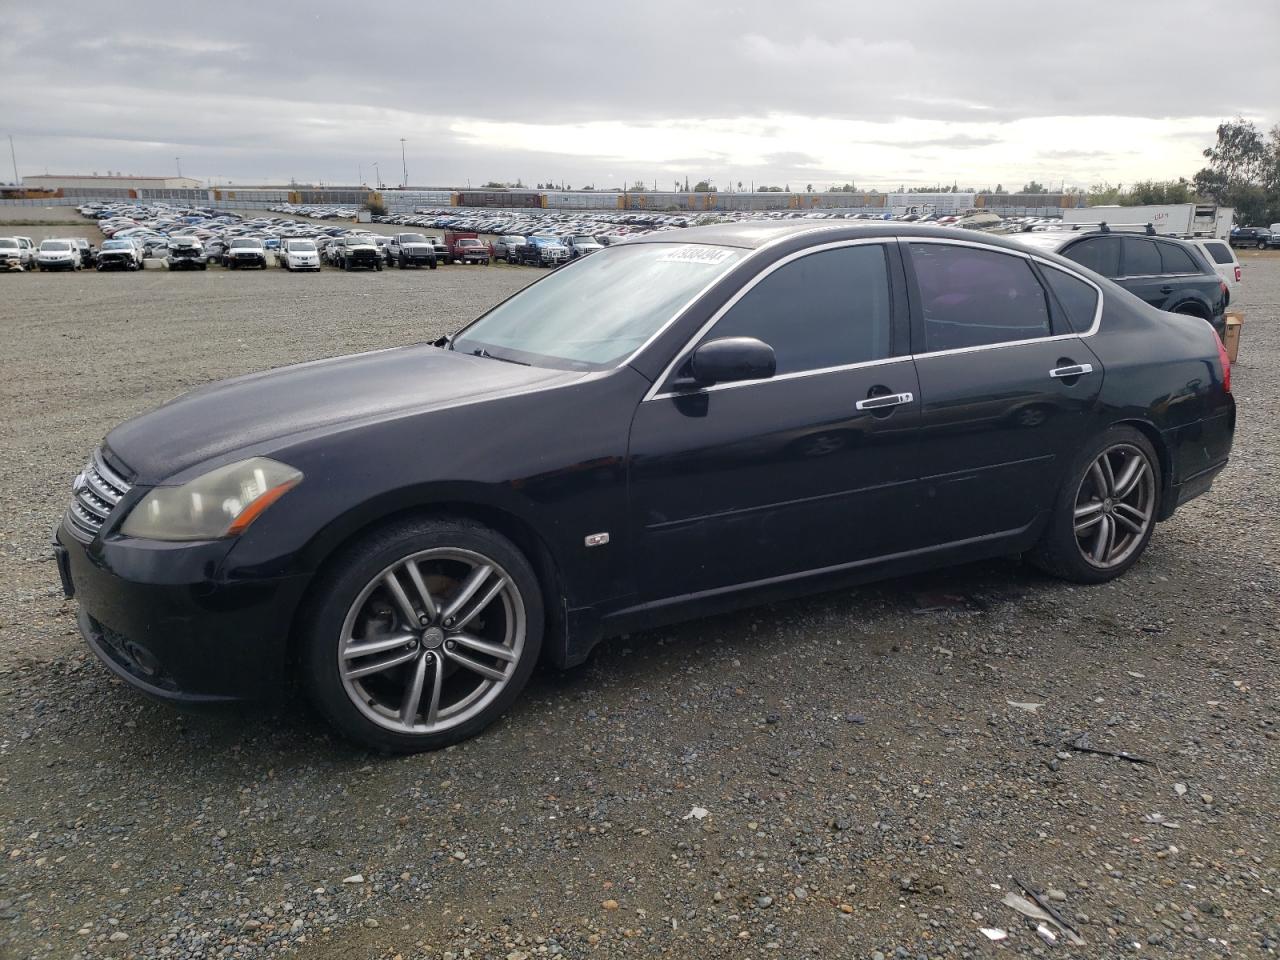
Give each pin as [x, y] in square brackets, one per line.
[863, 774]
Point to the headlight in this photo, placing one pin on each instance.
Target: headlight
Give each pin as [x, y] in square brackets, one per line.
[222, 503]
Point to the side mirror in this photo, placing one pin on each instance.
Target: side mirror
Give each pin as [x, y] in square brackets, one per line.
[732, 359]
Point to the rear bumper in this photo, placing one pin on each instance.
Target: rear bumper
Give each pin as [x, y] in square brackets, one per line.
[152, 613]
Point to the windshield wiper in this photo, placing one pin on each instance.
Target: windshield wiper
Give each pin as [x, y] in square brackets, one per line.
[482, 352]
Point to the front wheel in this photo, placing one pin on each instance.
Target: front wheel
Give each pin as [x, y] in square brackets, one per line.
[1262, 245]
[422, 634]
[1106, 511]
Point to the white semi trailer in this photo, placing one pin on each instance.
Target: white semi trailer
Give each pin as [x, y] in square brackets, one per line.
[1179, 219]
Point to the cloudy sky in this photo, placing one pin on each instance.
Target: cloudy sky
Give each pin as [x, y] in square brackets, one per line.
[912, 92]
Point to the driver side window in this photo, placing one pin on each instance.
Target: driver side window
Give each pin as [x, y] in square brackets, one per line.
[825, 309]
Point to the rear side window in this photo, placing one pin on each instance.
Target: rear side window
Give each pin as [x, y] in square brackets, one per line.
[1079, 301]
[825, 309]
[1141, 258]
[1176, 259]
[1101, 255]
[975, 298]
[1220, 252]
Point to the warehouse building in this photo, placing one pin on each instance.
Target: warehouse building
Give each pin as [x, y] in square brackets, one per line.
[82, 186]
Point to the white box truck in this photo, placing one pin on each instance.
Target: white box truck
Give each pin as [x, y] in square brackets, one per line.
[1179, 219]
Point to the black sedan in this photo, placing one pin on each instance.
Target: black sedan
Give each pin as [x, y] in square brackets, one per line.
[672, 426]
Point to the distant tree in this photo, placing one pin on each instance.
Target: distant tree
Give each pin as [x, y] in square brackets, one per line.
[493, 184]
[1152, 191]
[768, 189]
[376, 207]
[739, 186]
[999, 188]
[808, 188]
[639, 187]
[1034, 187]
[703, 186]
[1104, 193]
[787, 189]
[1243, 171]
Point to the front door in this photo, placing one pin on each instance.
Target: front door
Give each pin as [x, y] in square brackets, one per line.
[808, 469]
[1007, 387]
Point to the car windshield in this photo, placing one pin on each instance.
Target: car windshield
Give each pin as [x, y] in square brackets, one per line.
[55, 245]
[598, 311]
[468, 243]
[8, 244]
[412, 238]
[246, 243]
[583, 240]
[117, 245]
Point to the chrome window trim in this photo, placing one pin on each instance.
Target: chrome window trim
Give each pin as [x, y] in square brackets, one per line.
[1029, 255]
[653, 394]
[794, 375]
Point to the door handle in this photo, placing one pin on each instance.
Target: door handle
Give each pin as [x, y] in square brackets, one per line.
[1166, 289]
[1073, 370]
[887, 400]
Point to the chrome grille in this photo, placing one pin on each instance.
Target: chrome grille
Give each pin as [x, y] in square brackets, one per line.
[95, 493]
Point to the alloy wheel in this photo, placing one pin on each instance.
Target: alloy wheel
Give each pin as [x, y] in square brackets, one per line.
[432, 640]
[1115, 506]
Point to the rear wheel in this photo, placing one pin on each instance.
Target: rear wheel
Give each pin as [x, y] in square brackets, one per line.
[422, 635]
[1106, 511]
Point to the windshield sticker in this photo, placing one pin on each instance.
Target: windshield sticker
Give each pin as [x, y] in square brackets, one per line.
[695, 253]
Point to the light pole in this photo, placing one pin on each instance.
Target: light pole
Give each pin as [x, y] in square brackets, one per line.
[404, 167]
[377, 176]
[14, 157]
[178, 160]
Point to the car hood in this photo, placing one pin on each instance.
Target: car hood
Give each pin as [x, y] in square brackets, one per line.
[231, 415]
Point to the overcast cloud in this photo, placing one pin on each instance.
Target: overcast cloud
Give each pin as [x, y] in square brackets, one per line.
[909, 92]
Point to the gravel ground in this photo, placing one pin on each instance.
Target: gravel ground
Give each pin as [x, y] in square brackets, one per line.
[862, 774]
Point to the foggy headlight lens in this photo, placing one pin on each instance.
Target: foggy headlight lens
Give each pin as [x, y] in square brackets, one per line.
[222, 503]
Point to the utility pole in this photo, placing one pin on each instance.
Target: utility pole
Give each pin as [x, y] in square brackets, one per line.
[377, 176]
[179, 162]
[14, 156]
[404, 167]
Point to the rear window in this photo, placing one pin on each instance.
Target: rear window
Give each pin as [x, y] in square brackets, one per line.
[1176, 258]
[1220, 252]
[1079, 301]
[1141, 258]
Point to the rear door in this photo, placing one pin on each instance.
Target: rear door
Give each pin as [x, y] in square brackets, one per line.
[1142, 272]
[1007, 385]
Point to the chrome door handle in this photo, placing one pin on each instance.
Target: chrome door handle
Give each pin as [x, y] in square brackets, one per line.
[1074, 370]
[888, 400]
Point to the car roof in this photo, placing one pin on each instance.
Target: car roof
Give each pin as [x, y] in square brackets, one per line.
[752, 235]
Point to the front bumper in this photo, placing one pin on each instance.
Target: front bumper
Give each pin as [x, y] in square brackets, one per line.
[56, 264]
[159, 616]
[108, 262]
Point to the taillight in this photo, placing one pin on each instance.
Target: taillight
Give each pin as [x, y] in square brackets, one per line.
[1238, 277]
[1225, 361]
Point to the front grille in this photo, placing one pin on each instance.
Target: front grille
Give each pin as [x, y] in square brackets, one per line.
[95, 493]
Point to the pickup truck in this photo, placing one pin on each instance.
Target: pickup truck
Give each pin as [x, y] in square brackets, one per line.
[507, 247]
[245, 252]
[16, 253]
[467, 247]
[543, 252]
[411, 250]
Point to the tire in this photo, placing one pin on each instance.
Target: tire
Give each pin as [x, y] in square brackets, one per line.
[351, 605]
[378, 266]
[431, 265]
[204, 266]
[401, 264]
[1127, 519]
[1262, 245]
